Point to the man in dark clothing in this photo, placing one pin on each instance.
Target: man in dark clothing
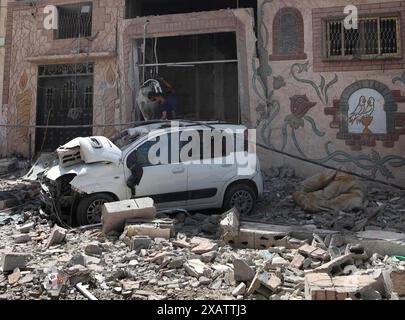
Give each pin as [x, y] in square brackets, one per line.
[168, 104]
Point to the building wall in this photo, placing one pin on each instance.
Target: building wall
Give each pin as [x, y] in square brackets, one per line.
[3, 15]
[302, 113]
[296, 103]
[28, 45]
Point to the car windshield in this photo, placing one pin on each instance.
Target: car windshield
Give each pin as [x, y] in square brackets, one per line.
[126, 137]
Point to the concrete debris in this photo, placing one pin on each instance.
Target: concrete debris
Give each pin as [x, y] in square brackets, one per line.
[281, 253]
[398, 282]
[56, 237]
[239, 290]
[115, 214]
[25, 228]
[242, 271]
[13, 260]
[196, 268]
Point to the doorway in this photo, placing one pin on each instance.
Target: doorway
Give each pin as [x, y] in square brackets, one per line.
[203, 69]
[65, 98]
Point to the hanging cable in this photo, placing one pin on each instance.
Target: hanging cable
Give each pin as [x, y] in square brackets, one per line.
[156, 59]
[144, 49]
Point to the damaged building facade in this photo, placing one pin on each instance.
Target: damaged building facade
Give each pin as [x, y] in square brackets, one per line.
[289, 69]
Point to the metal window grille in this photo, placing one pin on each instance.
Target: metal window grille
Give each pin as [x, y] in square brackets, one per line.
[374, 37]
[74, 21]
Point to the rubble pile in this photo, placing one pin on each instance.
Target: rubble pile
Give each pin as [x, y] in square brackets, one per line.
[41, 261]
[384, 208]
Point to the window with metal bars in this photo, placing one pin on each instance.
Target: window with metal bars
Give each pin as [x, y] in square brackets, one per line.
[74, 21]
[375, 37]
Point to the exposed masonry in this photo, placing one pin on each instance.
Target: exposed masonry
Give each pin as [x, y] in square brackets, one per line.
[277, 54]
[395, 120]
[319, 16]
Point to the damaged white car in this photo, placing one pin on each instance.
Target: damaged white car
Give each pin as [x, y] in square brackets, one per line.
[96, 170]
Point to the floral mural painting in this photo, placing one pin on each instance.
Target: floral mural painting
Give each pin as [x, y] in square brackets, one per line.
[108, 100]
[300, 105]
[321, 89]
[374, 163]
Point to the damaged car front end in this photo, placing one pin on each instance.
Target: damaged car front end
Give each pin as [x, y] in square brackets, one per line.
[87, 166]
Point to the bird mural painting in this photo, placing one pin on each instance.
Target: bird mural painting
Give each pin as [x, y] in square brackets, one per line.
[363, 113]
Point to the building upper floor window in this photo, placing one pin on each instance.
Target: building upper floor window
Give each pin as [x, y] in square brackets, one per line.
[376, 37]
[74, 21]
[288, 35]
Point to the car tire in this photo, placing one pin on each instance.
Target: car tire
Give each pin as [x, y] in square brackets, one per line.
[89, 208]
[240, 195]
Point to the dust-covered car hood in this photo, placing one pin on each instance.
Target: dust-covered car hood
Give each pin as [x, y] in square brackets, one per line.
[89, 150]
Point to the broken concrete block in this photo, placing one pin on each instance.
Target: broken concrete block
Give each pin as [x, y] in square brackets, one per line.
[270, 281]
[208, 256]
[254, 285]
[279, 262]
[242, 271]
[11, 261]
[243, 240]
[204, 247]
[398, 282]
[25, 228]
[154, 229]
[298, 261]
[316, 286]
[115, 214]
[196, 268]
[327, 267]
[140, 242]
[313, 252]
[93, 249]
[177, 263]
[22, 238]
[78, 274]
[181, 244]
[77, 259]
[239, 290]
[230, 223]
[14, 277]
[376, 241]
[56, 237]
[320, 286]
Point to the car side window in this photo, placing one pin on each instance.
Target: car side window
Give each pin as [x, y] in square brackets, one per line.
[141, 154]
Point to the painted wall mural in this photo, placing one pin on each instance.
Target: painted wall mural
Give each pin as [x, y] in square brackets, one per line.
[400, 78]
[300, 105]
[366, 114]
[321, 89]
[23, 101]
[107, 102]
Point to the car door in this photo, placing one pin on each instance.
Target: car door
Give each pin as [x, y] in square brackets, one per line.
[207, 179]
[165, 183]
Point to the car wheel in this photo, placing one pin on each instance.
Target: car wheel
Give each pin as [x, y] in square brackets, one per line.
[89, 208]
[240, 196]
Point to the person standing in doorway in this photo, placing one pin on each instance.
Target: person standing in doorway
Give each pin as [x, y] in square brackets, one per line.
[168, 103]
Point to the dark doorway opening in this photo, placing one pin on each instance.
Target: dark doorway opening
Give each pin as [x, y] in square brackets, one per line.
[203, 69]
[140, 8]
[65, 98]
